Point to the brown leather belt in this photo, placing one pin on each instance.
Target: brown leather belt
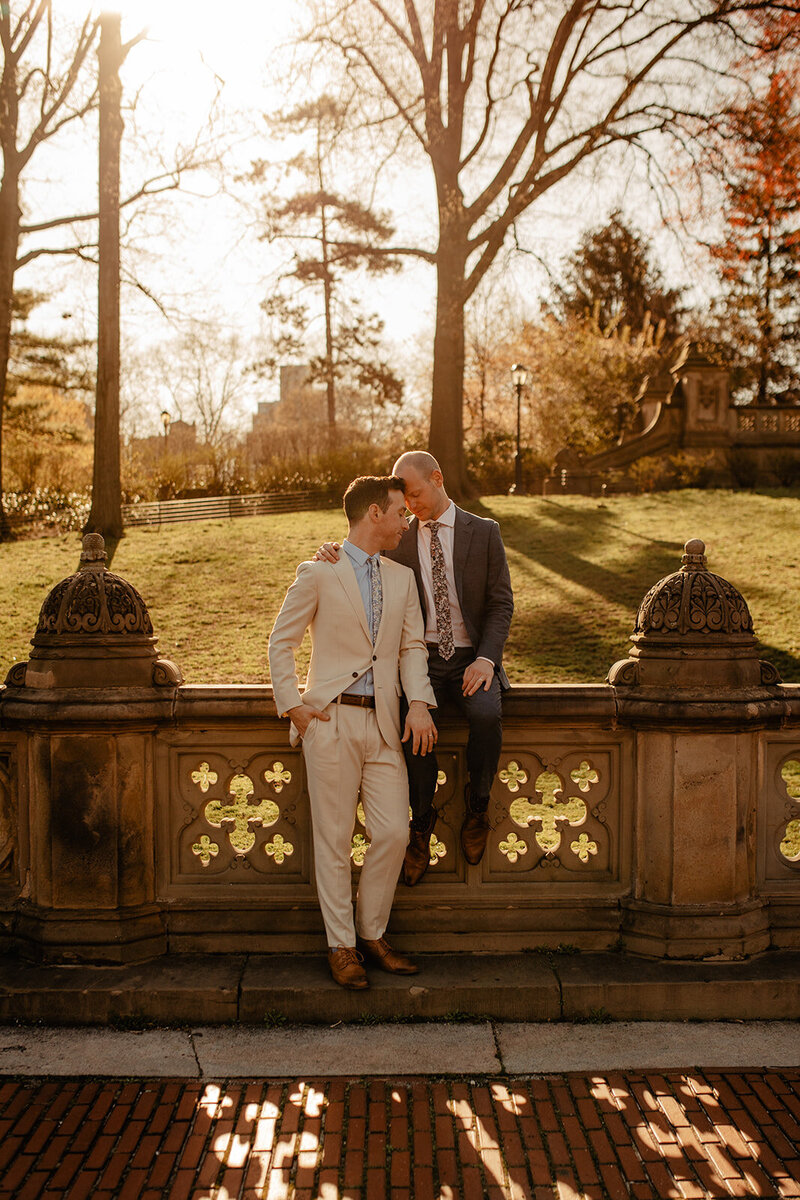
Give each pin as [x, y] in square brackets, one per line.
[358, 701]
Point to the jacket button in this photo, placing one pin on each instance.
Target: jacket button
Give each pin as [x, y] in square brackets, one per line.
[355, 674]
[374, 658]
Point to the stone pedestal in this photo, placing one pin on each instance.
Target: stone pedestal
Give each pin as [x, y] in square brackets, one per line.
[91, 696]
[696, 692]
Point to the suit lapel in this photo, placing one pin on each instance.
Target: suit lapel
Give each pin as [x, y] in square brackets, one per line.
[389, 589]
[346, 576]
[410, 557]
[462, 536]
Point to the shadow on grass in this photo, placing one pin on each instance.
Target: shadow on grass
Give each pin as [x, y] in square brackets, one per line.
[646, 562]
[564, 646]
[787, 665]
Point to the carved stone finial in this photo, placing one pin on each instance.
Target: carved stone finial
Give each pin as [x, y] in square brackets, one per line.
[694, 556]
[693, 630]
[93, 554]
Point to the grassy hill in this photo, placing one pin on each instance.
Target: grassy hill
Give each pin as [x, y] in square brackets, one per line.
[579, 568]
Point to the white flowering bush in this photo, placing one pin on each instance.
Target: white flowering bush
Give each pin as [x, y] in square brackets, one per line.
[49, 508]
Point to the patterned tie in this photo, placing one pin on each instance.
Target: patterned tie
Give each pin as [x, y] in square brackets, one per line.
[441, 600]
[377, 594]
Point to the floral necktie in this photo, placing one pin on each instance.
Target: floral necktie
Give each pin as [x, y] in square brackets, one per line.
[377, 594]
[441, 600]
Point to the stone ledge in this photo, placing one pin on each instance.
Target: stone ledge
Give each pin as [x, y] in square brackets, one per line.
[257, 989]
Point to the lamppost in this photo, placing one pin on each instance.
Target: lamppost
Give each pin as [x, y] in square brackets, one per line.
[519, 376]
[166, 421]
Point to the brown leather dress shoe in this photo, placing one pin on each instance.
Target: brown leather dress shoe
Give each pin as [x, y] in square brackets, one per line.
[474, 835]
[382, 955]
[418, 852]
[346, 969]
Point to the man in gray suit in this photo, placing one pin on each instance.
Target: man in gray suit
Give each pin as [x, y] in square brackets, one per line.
[464, 588]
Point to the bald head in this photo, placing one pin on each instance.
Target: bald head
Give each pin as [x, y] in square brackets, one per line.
[423, 485]
[419, 460]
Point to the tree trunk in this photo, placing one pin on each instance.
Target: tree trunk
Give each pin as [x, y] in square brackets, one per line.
[9, 238]
[106, 512]
[9, 241]
[446, 442]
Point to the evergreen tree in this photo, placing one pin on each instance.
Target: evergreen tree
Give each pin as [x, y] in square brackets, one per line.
[332, 236]
[612, 278]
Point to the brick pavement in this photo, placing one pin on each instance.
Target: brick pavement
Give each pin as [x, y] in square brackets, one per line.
[647, 1136]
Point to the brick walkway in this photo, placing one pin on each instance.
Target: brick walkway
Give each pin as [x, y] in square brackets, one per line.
[692, 1134]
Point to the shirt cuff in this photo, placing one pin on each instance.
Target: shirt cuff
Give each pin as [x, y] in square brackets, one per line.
[483, 658]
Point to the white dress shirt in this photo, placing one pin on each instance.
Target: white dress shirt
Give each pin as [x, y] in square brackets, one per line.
[446, 523]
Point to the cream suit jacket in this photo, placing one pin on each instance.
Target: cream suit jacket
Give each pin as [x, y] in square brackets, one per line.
[325, 598]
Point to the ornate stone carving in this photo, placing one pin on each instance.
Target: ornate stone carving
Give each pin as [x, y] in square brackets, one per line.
[790, 845]
[513, 846]
[359, 848]
[790, 774]
[16, 676]
[438, 850]
[583, 847]
[278, 775]
[241, 813]
[584, 775]
[549, 811]
[693, 600]
[205, 849]
[512, 776]
[166, 673]
[8, 819]
[769, 674]
[278, 849]
[204, 776]
[625, 672]
[93, 600]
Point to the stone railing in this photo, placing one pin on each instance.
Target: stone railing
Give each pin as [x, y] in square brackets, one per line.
[766, 422]
[659, 812]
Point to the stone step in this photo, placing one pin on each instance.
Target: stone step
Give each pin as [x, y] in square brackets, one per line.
[277, 989]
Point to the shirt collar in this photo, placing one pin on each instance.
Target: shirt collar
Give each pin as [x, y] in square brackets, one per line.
[356, 554]
[448, 517]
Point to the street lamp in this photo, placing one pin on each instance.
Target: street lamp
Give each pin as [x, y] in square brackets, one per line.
[166, 421]
[519, 376]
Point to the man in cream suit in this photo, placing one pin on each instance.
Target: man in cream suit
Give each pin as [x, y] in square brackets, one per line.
[367, 645]
[464, 589]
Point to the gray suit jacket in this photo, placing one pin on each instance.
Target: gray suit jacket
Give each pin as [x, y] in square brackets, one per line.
[482, 581]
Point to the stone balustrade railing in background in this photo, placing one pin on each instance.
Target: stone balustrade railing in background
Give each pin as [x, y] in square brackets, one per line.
[658, 813]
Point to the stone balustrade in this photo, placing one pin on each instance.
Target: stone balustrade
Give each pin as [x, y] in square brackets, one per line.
[763, 422]
[658, 812]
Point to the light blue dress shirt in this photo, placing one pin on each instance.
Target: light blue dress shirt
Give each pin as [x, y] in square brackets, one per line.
[365, 686]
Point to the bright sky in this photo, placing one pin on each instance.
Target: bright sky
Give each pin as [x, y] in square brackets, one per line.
[201, 258]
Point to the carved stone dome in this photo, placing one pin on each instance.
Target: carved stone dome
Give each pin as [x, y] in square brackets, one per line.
[693, 601]
[93, 602]
[694, 631]
[94, 631]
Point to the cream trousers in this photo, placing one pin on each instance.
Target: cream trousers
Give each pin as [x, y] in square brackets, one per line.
[342, 755]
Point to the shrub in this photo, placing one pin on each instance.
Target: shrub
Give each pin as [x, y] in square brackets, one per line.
[744, 468]
[662, 473]
[786, 468]
[48, 508]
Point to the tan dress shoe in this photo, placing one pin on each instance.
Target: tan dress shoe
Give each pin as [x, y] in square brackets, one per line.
[418, 852]
[382, 955]
[346, 969]
[474, 835]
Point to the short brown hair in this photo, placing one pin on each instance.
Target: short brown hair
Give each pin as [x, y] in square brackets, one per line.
[367, 490]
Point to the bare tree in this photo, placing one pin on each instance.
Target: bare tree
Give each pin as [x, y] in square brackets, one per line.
[50, 86]
[505, 99]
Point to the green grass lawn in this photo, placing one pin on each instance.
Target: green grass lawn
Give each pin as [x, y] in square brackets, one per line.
[579, 568]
